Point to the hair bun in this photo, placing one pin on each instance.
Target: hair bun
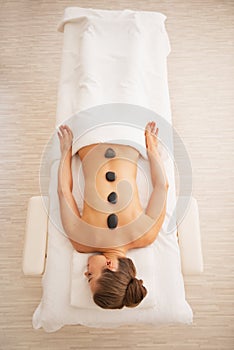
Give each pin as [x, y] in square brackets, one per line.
[135, 292]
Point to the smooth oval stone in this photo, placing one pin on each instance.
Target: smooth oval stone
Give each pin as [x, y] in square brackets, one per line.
[112, 221]
[110, 176]
[112, 198]
[110, 153]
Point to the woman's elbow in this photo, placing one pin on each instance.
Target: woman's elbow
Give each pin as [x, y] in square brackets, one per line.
[62, 192]
[59, 191]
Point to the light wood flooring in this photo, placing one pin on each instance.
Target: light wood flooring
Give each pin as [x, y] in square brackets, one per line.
[201, 75]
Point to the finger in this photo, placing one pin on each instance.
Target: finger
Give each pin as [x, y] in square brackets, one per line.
[68, 130]
[60, 137]
[65, 131]
[152, 126]
[147, 128]
[147, 125]
[61, 130]
[66, 127]
[63, 127]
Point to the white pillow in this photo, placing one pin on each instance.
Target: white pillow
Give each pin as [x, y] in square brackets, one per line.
[144, 261]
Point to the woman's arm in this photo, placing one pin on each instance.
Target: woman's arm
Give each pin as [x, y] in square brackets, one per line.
[65, 182]
[156, 208]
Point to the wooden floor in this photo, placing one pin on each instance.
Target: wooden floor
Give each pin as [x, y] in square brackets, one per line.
[201, 75]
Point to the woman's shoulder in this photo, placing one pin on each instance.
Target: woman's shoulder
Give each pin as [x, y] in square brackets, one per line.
[148, 237]
[81, 248]
[139, 233]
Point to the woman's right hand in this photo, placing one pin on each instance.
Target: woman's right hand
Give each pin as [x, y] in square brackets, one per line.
[65, 136]
[151, 136]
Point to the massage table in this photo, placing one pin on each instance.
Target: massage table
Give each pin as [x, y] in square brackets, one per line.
[113, 80]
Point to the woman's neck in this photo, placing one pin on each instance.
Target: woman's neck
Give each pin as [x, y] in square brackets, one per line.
[115, 253]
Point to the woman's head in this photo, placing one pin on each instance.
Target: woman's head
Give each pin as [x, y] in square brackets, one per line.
[113, 282]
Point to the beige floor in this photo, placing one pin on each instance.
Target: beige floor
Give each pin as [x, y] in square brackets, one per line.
[201, 74]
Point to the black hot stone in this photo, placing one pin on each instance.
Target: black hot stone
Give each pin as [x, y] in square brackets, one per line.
[112, 198]
[110, 176]
[110, 153]
[112, 221]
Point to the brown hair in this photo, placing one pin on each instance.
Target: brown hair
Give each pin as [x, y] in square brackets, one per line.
[116, 289]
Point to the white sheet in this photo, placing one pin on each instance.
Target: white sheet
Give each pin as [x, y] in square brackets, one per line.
[97, 69]
[113, 56]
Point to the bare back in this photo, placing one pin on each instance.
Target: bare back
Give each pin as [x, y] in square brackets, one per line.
[97, 187]
[96, 207]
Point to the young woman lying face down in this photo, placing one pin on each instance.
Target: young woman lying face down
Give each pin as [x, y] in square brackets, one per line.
[111, 275]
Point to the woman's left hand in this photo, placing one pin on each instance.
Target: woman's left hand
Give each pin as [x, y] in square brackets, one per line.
[65, 137]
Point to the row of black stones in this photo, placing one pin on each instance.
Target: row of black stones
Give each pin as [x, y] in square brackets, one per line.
[112, 220]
